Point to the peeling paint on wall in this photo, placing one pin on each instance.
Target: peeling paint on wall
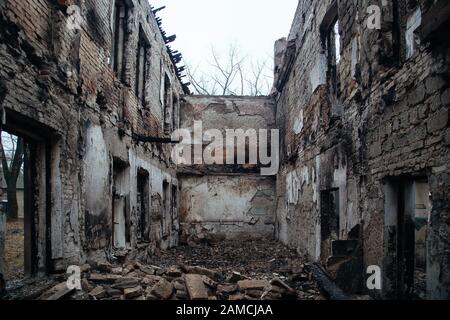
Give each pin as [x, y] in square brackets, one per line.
[236, 206]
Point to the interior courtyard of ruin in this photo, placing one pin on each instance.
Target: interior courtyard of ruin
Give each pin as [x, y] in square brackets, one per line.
[360, 99]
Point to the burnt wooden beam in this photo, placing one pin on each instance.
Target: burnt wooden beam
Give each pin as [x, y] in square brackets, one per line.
[326, 285]
[148, 139]
[158, 9]
[174, 55]
[170, 39]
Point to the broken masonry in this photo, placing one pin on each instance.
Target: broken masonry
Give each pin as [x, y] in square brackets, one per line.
[364, 145]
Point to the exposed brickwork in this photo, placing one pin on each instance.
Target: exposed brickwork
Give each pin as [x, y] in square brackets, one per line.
[364, 128]
[60, 81]
[392, 121]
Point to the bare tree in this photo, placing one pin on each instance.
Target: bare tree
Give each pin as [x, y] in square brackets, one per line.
[231, 74]
[202, 84]
[257, 79]
[11, 151]
[227, 70]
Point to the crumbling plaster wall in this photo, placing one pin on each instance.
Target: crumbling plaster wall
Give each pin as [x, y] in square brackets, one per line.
[127, 114]
[226, 201]
[60, 84]
[228, 112]
[299, 207]
[231, 207]
[391, 121]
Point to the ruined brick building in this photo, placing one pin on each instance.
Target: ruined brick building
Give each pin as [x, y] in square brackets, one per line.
[363, 114]
[82, 97]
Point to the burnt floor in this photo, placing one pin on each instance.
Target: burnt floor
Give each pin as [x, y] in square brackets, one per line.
[264, 259]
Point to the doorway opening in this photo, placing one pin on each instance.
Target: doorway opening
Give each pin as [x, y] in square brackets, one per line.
[166, 210]
[407, 213]
[175, 220]
[143, 202]
[120, 212]
[12, 198]
[329, 204]
[25, 218]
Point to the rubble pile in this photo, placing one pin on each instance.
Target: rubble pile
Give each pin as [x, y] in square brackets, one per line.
[226, 271]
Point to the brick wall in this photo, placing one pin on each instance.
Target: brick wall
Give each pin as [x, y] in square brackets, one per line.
[62, 88]
[225, 200]
[391, 122]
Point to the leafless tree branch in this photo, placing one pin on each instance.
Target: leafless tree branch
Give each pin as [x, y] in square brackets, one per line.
[232, 74]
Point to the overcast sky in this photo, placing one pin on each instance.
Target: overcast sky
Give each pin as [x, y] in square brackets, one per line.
[253, 25]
